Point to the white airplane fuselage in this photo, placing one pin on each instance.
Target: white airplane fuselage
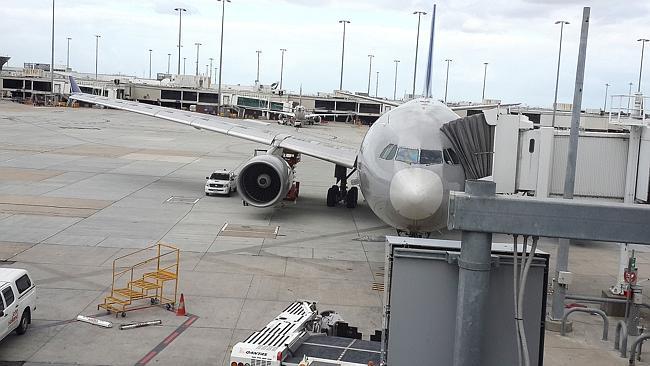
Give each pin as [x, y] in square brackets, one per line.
[408, 188]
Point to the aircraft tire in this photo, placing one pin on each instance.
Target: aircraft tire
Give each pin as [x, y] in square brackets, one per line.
[352, 197]
[332, 192]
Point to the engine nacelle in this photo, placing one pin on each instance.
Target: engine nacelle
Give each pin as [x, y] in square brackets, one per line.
[264, 180]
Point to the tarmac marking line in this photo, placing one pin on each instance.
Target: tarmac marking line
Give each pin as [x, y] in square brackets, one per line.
[171, 337]
[147, 358]
[167, 341]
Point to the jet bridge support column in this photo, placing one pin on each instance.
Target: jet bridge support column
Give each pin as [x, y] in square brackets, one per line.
[479, 213]
[473, 285]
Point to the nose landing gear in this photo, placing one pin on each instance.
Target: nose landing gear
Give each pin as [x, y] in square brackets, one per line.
[339, 193]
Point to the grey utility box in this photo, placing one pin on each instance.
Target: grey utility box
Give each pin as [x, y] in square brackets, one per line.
[421, 287]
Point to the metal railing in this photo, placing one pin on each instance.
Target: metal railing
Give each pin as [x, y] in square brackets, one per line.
[159, 255]
[628, 110]
[590, 311]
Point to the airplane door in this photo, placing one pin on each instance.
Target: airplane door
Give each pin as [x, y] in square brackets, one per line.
[6, 316]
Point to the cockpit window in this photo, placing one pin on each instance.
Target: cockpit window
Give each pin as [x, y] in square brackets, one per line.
[430, 157]
[451, 157]
[408, 155]
[389, 152]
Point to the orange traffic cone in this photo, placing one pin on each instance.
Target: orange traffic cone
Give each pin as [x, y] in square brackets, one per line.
[181, 307]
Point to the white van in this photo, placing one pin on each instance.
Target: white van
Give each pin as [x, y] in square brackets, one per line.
[17, 301]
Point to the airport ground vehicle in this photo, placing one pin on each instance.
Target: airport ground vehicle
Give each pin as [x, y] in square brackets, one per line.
[17, 301]
[301, 336]
[220, 182]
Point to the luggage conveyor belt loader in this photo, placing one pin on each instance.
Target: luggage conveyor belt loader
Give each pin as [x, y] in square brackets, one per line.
[301, 336]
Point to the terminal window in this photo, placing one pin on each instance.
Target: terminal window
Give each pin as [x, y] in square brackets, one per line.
[170, 94]
[41, 86]
[209, 98]
[189, 96]
[346, 106]
[324, 104]
[12, 84]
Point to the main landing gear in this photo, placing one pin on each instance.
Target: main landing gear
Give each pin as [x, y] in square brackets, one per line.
[339, 193]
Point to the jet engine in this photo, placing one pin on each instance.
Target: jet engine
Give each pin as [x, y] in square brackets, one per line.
[264, 180]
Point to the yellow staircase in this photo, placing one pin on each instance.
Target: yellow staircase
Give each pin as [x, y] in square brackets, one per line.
[136, 280]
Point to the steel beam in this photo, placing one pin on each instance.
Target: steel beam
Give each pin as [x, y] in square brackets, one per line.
[555, 218]
[473, 286]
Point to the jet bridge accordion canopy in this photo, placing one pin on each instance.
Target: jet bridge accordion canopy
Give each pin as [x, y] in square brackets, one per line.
[473, 139]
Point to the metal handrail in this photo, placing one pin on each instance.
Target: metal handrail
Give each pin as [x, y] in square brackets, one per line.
[637, 344]
[146, 261]
[620, 343]
[131, 268]
[590, 311]
[632, 113]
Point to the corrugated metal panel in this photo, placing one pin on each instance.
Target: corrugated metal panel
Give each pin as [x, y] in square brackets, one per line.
[600, 171]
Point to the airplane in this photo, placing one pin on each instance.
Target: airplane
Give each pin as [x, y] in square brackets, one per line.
[406, 163]
[299, 117]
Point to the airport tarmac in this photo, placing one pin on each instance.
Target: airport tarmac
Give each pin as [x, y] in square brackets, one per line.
[80, 187]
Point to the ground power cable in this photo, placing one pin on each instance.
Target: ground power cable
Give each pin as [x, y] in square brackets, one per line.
[520, 306]
[515, 259]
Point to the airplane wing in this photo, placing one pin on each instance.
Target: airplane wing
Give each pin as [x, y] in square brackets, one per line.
[311, 115]
[311, 146]
[289, 114]
[481, 106]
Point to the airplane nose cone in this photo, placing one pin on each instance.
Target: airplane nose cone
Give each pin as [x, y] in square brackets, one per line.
[416, 193]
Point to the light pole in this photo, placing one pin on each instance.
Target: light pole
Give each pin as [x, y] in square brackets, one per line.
[447, 78]
[207, 69]
[643, 41]
[484, 77]
[395, 89]
[67, 58]
[417, 43]
[211, 59]
[184, 59]
[369, 71]
[344, 22]
[198, 45]
[377, 85]
[605, 106]
[180, 22]
[282, 66]
[150, 50]
[52, 64]
[223, 14]
[97, 36]
[257, 77]
[557, 75]
[169, 61]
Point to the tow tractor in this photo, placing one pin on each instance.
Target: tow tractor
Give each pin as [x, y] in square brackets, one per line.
[301, 336]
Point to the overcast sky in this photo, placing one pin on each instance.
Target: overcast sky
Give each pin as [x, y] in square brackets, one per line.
[518, 38]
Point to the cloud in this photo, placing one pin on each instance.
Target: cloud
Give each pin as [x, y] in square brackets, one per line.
[517, 37]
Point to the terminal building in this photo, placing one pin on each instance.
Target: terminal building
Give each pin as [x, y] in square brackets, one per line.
[31, 83]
